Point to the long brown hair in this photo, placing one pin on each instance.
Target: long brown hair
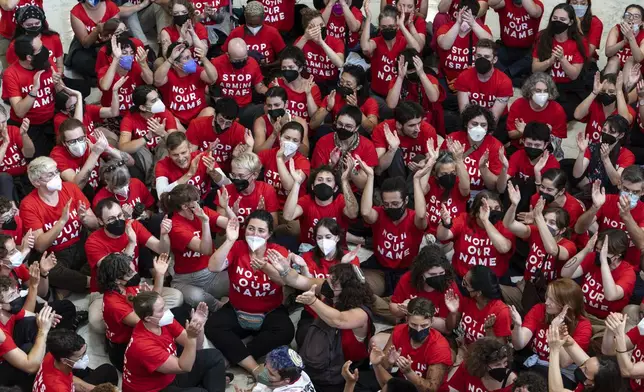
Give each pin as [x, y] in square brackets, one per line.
[566, 292]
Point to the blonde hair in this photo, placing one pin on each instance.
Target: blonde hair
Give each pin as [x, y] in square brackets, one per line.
[248, 161]
[39, 166]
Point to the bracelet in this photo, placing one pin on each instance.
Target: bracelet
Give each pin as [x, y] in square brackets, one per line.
[621, 352]
[447, 226]
[316, 299]
[32, 95]
[43, 275]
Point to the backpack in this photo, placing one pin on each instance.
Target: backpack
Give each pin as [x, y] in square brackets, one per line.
[322, 352]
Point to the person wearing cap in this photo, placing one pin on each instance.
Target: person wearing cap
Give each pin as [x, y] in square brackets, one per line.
[284, 371]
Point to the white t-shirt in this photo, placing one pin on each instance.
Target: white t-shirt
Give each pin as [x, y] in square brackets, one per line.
[303, 384]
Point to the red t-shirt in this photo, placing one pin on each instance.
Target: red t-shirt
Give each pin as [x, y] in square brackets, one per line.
[608, 218]
[596, 303]
[518, 28]
[336, 27]
[573, 206]
[312, 213]
[434, 350]
[279, 14]
[99, 245]
[272, 176]
[455, 202]
[625, 157]
[6, 346]
[8, 18]
[553, 115]
[145, 353]
[268, 41]
[538, 259]
[116, 307]
[472, 246]
[395, 245]
[405, 290]
[252, 291]
[318, 63]
[51, 42]
[453, 10]
[138, 193]
[572, 53]
[183, 231]
[410, 146]
[11, 323]
[595, 120]
[202, 134]
[321, 271]
[414, 92]
[594, 35]
[18, 81]
[200, 8]
[384, 63]
[184, 96]
[464, 381]
[175, 35]
[535, 321]
[111, 10]
[137, 125]
[636, 356]
[365, 150]
[50, 379]
[16, 235]
[14, 162]
[103, 60]
[91, 115]
[237, 83]
[66, 161]
[625, 53]
[296, 104]
[248, 203]
[473, 319]
[471, 161]
[37, 215]
[126, 91]
[484, 93]
[461, 55]
[521, 165]
[168, 169]
[368, 108]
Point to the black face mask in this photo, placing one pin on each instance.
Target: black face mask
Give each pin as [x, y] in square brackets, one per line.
[396, 213]
[33, 31]
[464, 292]
[495, 216]
[608, 139]
[16, 305]
[547, 197]
[533, 153]
[580, 377]
[438, 283]
[499, 374]
[482, 65]
[326, 290]
[40, 61]
[276, 113]
[344, 91]
[558, 26]
[343, 134]
[413, 77]
[10, 224]
[418, 336]
[133, 281]
[239, 64]
[323, 33]
[447, 181]
[388, 34]
[218, 128]
[606, 99]
[179, 20]
[240, 184]
[323, 191]
[290, 74]
[116, 228]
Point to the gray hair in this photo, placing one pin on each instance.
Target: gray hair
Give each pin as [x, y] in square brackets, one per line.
[254, 8]
[248, 161]
[444, 158]
[117, 178]
[38, 167]
[529, 85]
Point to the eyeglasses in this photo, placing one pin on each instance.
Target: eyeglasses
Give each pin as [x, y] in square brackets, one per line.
[113, 219]
[629, 16]
[224, 122]
[234, 176]
[114, 166]
[75, 141]
[48, 176]
[346, 127]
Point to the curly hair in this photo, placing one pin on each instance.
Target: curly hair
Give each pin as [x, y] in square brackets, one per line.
[310, 180]
[472, 111]
[531, 82]
[114, 266]
[484, 352]
[429, 257]
[533, 381]
[354, 293]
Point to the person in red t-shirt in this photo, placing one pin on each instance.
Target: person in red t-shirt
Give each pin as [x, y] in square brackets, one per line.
[280, 14]
[479, 236]
[30, 85]
[15, 148]
[343, 21]
[537, 103]
[133, 196]
[266, 129]
[486, 368]
[627, 346]
[625, 40]
[604, 161]
[430, 275]
[324, 52]
[183, 82]
[31, 20]
[254, 308]
[419, 87]
[184, 28]
[590, 26]
[151, 361]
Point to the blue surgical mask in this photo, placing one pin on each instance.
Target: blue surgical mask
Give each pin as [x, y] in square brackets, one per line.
[190, 66]
[126, 62]
[93, 2]
[633, 199]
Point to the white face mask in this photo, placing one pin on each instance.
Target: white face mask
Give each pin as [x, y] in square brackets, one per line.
[166, 319]
[122, 191]
[580, 10]
[82, 363]
[477, 133]
[540, 98]
[327, 246]
[254, 30]
[158, 107]
[55, 184]
[16, 260]
[640, 327]
[636, 29]
[78, 149]
[289, 148]
[254, 242]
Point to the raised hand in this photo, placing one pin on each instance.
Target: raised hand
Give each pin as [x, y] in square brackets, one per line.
[367, 9]
[261, 205]
[127, 211]
[200, 313]
[307, 297]
[209, 162]
[366, 168]
[141, 55]
[64, 216]
[308, 85]
[598, 194]
[603, 253]
[402, 66]
[541, 163]
[489, 322]
[392, 138]
[404, 364]
[484, 211]
[176, 52]
[484, 159]
[514, 193]
[583, 141]
[330, 100]
[561, 317]
[418, 63]
[156, 127]
[349, 377]
[590, 245]
[555, 341]
[232, 229]
[298, 175]
[34, 275]
[516, 317]
[452, 301]
[248, 139]
[597, 85]
[376, 355]
[194, 164]
[456, 148]
[161, 264]
[503, 159]
[24, 126]
[101, 143]
[117, 52]
[349, 257]
[278, 261]
[335, 156]
[129, 231]
[28, 241]
[200, 213]
[446, 217]
[393, 354]
[45, 318]
[222, 197]
[538, 208]
[36, 81]
[194, 328]
[519, 124]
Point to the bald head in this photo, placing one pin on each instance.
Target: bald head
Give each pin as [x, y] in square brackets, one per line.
[237, 49]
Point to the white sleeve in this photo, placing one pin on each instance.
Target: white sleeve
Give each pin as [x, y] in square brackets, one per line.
[164, 186]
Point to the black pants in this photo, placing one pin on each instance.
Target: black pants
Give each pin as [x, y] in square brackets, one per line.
[10, 376]
[207, 374]
[42, 135]
[249, 113]
[6, 187]
[71, 270]
[26, 330]
[83, 61]
[637, 144]
[224, 331]
[392, 276]
[105, 373]
[515, 62]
